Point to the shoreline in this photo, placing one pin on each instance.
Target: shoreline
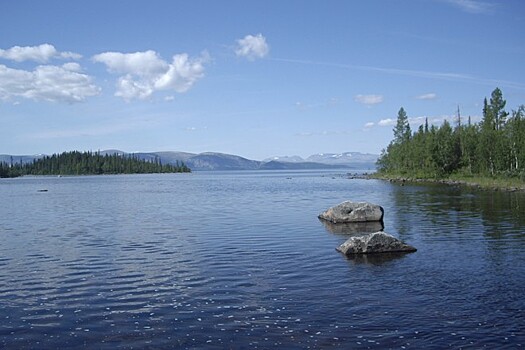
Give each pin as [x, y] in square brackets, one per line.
[481, 183]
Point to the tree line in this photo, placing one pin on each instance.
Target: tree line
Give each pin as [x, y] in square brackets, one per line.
[89, 163]
[494, 147]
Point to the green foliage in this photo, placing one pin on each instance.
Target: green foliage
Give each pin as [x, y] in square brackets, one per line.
[88, 163]
[397, 157]
[445, 152]
[7, 171]
[402, 130]
[495, 147]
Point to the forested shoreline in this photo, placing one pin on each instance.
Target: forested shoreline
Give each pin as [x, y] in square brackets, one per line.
[493, 148]
[89, 163]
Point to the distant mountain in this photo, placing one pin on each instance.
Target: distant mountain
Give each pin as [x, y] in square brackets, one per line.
[276, 165]
[221, 161]
[285, 159]
[172, 157]
[201, 161]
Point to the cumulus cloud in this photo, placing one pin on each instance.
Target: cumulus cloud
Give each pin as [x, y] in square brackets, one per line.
[143, 73]
[145, 63]
[72, 66]
[430, 96]
[41, 53]
[368, 99]
[386, 122]
[47, 83]
[129, 88]
[183, 72]
[369, 125]
[252, 47]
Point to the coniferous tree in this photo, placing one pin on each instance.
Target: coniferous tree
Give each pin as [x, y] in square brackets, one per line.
[402, 129]
[495, 146]
[516, 133]
[497, 108]
[87, 163]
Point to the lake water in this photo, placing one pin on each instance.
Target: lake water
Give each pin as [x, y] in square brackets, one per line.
[240, 260]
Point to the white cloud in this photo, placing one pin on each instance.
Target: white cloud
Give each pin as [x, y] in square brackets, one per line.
[386, 122]
[146, 72]
[416, 121]
[129, 88]
[183, 72]
[67, 55]
[41, 53]
[142, 64]
[436, 120]
[252, 47]
[430, 96]
[47, 83]
[472, 6]
[72, 66]
[368, 99]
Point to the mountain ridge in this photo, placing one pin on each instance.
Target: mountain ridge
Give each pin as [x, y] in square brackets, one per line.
[223, 161]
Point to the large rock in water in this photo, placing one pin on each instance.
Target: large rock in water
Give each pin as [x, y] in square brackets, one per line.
[353, 212]
[377, 242]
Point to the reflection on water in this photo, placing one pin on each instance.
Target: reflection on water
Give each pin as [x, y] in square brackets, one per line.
[240, 260]
[442, 203]
[353, 228]
[375, 259]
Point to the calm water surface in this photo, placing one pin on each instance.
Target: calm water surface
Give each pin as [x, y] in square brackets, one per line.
[240, 260]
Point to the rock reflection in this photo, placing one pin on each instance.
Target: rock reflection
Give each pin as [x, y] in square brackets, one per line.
[376, 258]
[353, 228]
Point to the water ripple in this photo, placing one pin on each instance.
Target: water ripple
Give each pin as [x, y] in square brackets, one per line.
[239, 260]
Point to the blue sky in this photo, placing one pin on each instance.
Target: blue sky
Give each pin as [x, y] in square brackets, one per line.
[252, 78]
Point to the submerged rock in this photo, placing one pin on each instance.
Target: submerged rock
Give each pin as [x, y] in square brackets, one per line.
[353, 212]
[377, 242]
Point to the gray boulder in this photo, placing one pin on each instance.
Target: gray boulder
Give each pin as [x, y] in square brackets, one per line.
[377, 242]
[353, 212]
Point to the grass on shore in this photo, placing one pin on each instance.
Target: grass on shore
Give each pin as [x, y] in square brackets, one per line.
[485, 182]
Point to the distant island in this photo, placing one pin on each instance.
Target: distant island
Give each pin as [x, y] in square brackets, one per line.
[88, 163]
[490, 153]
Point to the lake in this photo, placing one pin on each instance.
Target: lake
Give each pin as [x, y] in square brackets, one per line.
[239, 260]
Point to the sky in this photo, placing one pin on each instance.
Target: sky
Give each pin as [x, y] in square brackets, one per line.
[253, 78]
